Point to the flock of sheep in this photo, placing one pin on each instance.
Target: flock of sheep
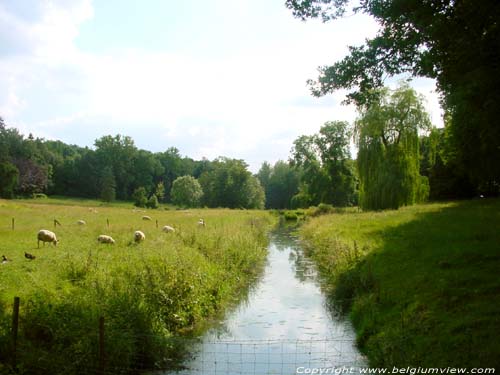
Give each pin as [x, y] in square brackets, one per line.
[45, 235]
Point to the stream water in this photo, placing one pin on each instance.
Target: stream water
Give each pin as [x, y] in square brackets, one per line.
[285, 326]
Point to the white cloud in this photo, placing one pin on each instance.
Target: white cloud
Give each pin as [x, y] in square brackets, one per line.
[250, 102]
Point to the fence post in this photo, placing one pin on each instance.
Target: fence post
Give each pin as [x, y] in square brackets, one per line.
[13, 220]
[107, 222]
[15, 326]
[101, 345]
[156, 223]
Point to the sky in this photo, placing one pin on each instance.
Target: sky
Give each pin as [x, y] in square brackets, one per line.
[211, 78]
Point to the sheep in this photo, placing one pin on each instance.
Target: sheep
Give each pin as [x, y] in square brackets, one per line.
[201, 223]
[46, 236]
[105, 239]
[139, 236]
[168, 229]
[146, 218]
[81, 222]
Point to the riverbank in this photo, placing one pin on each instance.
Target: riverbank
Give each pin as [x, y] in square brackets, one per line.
[420, 284]
[148, 293]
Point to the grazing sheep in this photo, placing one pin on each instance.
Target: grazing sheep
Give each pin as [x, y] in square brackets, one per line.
[146, 218]
[139, 236]
[201, 223]
[46, 236]
[168, 229]
[105, 239]
[81, 222]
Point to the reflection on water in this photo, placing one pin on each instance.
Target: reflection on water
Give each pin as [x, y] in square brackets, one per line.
[284, 323]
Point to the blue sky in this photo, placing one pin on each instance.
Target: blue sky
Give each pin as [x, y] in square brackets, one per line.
[219, 77]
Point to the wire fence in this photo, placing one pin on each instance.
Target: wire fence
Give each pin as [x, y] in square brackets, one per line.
[256, 357]
[177, 355]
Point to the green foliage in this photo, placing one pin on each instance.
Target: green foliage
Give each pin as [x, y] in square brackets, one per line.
[322, 209]
[149, 298]
[108, 184]
[152, 202]
[388, 157]
[186, 191]
[228, 183]
[8, 179]
[301, 200]
[413, 279]
[455, 42]
[328, 174]
[280, 183]
[139, 196]
[160, 191]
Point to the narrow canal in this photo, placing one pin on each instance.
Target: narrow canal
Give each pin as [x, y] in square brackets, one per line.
[285, 326]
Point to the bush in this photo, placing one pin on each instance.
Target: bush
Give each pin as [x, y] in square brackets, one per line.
[139, 197]
[322, 209]
[290, 215]
[152, 202]
[39, 196]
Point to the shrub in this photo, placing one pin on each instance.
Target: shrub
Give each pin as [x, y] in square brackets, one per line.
[139, 197]
[152, 202]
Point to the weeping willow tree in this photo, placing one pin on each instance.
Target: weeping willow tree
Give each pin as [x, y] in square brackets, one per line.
[388, 158]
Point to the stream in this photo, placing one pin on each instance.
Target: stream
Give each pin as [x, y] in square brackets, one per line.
[285, 326]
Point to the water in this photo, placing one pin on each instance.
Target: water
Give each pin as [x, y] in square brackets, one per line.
[285, 326]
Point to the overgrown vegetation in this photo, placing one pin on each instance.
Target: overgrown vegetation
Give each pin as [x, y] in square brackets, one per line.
[149, 293]
[420, 284]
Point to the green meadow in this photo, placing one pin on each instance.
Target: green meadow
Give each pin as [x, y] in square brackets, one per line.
[149, 293]
[421, 284]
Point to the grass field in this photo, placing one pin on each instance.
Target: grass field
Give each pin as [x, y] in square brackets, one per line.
[421, 284]
[148, 293]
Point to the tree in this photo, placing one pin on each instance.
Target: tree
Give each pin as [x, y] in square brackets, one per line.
[327, 174]
[160, 191]
[152, 202]
[8, 179]
[119, 153]
[280, 183]
[186, 191]
[139, 197]
[455, 42]
[388, 157]
[255, 194]
[108, 184]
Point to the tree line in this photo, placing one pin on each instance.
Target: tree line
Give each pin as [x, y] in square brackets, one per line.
[402, 159]
[116, 169]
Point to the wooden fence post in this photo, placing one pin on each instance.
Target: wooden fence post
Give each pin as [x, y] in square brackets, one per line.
[13, 221]
[156, 223]
[107, 222]
[15, 326]
[101, 345]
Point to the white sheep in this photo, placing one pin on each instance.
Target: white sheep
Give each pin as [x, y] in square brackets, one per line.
[167, 229]
[105, 239]
[146, 218]
[201, 223]
[139, 236]
[46, 236]
[81, 222]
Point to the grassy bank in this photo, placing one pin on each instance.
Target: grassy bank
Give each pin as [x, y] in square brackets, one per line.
[148, 293]
[421, 284]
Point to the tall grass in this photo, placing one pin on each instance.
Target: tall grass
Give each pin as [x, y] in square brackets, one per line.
[149, 293]
[420, 284]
